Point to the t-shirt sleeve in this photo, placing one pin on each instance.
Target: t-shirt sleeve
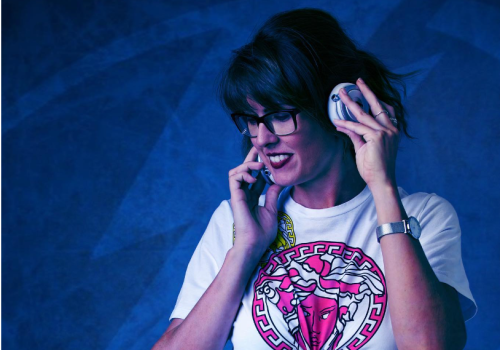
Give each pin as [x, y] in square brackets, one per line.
[441, 242]
[206, 261]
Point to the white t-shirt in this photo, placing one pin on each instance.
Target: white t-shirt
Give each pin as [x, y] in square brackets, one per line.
[321, 284]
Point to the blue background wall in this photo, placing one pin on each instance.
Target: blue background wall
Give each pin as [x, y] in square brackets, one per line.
[111, 173]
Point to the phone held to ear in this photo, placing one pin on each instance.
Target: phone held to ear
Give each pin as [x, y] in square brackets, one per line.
[266, 174]
[336, 110]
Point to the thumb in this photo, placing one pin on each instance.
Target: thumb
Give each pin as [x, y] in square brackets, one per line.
[272, 195]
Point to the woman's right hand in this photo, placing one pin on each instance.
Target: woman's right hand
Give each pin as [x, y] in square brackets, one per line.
[256, 226]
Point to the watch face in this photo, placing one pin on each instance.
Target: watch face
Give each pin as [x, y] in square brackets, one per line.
[414, 227]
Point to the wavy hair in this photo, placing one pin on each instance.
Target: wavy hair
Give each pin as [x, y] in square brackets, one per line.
[296, 58]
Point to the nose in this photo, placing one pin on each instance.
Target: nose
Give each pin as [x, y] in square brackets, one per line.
[264, 136]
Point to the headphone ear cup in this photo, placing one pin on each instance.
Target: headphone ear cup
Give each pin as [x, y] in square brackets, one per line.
[338, 110]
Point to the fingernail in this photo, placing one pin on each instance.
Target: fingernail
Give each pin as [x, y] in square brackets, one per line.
[342, 91]
[361, 80]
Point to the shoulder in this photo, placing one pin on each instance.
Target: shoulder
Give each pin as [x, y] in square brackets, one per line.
[422, 205]
[223, 214]
[437, 217]
[224, 208]
[218, 236]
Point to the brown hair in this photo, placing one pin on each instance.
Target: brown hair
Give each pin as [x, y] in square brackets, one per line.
[296, 58]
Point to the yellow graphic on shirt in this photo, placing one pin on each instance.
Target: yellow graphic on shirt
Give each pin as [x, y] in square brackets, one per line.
[285, 237]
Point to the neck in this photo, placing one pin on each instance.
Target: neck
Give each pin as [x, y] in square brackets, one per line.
[338, 185]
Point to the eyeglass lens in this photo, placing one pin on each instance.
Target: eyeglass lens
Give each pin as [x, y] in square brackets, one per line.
[279, 123]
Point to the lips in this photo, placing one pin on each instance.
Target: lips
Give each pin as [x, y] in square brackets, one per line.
[278, 160]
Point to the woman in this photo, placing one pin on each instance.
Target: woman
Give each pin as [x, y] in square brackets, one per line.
[302, 267]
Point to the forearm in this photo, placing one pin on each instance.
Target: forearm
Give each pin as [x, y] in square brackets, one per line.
[208, 324]
[421, 315]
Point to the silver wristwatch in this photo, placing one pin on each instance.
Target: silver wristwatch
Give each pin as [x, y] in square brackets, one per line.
[410, 227]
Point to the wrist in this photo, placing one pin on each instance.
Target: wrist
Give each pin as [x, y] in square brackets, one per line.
[245, 257]
[388, 203]
[383, 190]
[382, 182]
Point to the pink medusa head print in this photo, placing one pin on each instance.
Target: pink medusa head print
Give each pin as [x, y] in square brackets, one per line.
[327, 294]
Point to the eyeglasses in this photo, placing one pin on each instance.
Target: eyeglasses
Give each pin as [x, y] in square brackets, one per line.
[280, 123]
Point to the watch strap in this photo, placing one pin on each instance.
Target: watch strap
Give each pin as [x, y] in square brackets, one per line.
[392, 227]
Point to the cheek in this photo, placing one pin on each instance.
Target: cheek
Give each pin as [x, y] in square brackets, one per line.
[315, 151]
[251, 143]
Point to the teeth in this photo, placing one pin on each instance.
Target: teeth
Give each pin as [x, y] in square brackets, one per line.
[277, 159]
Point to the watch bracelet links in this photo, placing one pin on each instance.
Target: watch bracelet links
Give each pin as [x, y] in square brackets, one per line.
[389, 228]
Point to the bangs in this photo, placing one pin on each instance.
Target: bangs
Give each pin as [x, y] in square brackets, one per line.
[267, 76]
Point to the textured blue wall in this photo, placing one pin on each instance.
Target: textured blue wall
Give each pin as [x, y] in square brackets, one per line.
[111, 173]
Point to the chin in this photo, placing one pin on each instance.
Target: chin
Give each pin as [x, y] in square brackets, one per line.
[285, 182]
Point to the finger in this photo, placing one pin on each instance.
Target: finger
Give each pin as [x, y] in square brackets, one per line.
[377, 106]
[385, 120]
[357, 128]
[356, 139]
[258, 186]
[389, 108]
[356, 109]
[252, 155]
[272, 195]
[239, 180]
[246, 167]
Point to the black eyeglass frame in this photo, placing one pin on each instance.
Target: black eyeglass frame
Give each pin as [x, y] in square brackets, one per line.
[262, 120]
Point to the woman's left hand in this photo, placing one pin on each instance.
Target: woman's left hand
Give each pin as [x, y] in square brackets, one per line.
[375, 139]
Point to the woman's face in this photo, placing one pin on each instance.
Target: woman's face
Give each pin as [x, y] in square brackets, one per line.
[311, 153]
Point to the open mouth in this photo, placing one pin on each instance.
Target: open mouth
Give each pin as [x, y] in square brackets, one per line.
[279, 160]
